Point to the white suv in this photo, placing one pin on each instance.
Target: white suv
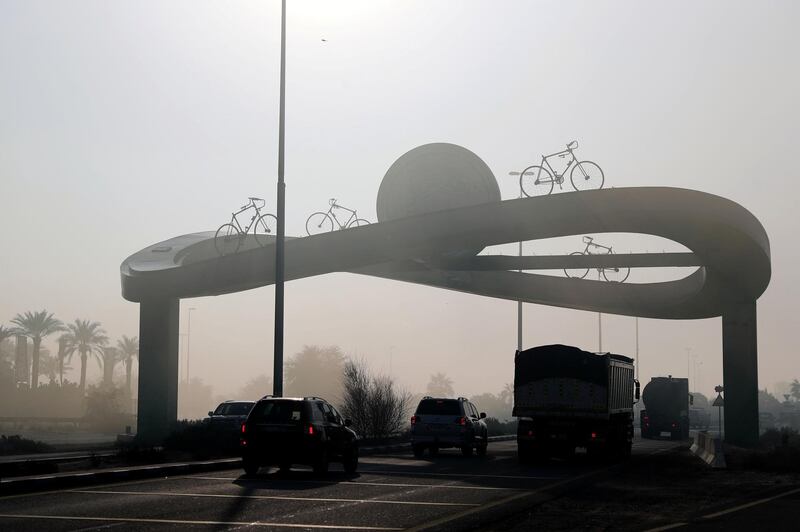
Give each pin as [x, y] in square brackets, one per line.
[442, 422]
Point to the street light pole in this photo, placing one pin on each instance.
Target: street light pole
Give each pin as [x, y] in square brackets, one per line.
[277, 375]
[636, 351]
[599, 324]
[188, 339]
[519, 303]
[688, 367]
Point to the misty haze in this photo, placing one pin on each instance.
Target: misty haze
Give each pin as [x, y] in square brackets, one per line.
[512, 264]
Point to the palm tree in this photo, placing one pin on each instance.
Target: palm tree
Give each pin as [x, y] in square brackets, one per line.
[5, 333]
[87, 338]
[63, 342]
[110, 357]
[129, 348]
[36, 325]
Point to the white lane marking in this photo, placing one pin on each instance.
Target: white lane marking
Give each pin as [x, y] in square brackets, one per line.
[750, 504]
[355, 483]
[466, 475]
[666, 527]
[728, 511]
[190, 522]
[272, 497]
[500, 502]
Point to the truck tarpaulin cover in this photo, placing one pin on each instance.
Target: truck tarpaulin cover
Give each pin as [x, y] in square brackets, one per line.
[559, 361]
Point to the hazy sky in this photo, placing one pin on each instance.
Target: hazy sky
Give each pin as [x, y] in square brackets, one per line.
[126, 123]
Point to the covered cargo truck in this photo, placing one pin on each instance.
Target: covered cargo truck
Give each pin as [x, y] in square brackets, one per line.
[666, 408]
[565, 398]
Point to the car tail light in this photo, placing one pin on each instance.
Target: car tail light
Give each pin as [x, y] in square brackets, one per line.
[414, 420]
[674, 425]
[594, 435]
[310, 430]
[244, 428]
[461, 421]
[243, 442]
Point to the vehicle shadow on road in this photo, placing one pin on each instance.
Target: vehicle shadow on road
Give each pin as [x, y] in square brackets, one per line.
[295, 479]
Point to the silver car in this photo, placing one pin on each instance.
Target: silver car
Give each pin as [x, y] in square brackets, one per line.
[443, 422]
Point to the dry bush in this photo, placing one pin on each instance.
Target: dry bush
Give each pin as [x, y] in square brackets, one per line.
[376, 406]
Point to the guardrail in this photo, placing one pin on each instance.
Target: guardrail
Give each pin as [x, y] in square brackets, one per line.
[709, 449]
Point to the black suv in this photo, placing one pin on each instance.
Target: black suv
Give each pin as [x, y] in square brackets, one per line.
[229, 414]
[284, 430]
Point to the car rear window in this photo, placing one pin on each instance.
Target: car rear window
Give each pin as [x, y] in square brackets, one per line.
[279, 412]
[439, 407]
[233, 409]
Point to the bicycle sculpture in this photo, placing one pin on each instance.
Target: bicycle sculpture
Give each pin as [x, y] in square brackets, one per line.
[229, 236]
[613, 275]
[536, 180]
[322, 222]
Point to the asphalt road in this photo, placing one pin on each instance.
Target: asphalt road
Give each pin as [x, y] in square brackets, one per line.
[389, 492]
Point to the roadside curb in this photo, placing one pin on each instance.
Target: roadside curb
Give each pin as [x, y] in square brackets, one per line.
[406, 446]
[10, 486]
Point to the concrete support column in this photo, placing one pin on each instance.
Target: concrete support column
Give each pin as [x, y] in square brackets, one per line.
[740, 374]
[158, 368]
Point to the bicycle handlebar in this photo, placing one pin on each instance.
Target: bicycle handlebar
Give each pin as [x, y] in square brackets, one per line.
[572, 145]
[253, 201]
[587, 239]
[332, 202]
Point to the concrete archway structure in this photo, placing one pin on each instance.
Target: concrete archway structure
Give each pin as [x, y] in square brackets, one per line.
[727, 244]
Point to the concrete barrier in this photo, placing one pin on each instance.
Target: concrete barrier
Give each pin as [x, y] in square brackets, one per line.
[709, 449]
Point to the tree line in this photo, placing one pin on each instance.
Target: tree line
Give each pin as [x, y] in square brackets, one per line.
[85, 339]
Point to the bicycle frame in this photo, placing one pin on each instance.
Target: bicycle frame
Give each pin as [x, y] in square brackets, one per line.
[559, 178]
[591, 244]
[333, 215]
[235, 219]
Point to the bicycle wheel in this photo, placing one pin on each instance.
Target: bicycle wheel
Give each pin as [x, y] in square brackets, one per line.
[616, 275]
[265, 228]
[536, 181]
[576, 273]
[358, 222]
[227, 239]
[586, 175]
[319, 222]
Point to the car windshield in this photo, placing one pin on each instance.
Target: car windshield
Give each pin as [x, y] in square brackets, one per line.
[281, 412]
[233, 409]
[439, 407]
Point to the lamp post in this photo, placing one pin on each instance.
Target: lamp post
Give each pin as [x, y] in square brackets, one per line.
[519, 303]
[636, 351]
[599, 321]
[277, 375]
[689, 358]
[188, 339]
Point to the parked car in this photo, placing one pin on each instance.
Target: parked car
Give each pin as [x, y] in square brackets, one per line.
[444, 422]
[229, 414]
[284, 431]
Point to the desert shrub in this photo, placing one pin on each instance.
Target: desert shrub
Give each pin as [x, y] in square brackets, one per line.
[202, 440]
[18, 445]
[105, 409]
[373, 403]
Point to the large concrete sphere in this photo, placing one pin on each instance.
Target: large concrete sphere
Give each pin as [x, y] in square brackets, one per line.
[435, 177]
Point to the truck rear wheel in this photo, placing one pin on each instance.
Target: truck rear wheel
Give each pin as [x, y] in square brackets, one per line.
[525, 453]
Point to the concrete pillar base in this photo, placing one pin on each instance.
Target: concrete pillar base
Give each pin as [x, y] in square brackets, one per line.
[158, 369]
[740, 374]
